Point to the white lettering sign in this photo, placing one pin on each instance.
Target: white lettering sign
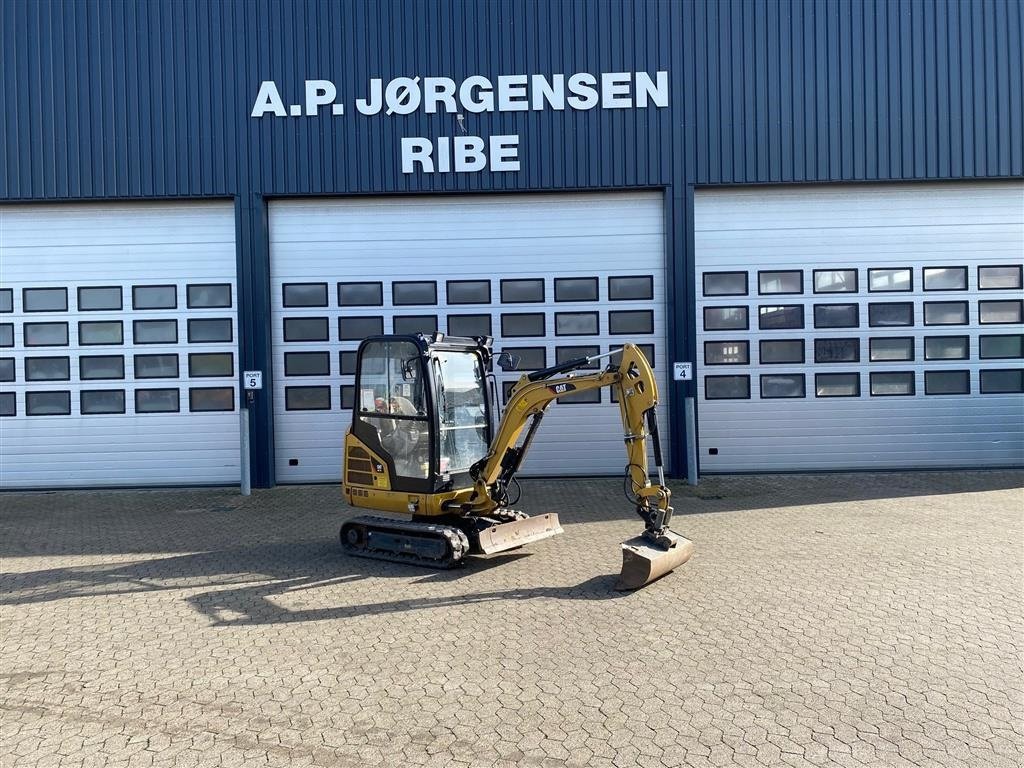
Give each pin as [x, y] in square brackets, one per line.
[581, 91]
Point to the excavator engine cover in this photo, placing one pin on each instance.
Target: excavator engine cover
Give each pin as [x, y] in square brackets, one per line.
[643, 561]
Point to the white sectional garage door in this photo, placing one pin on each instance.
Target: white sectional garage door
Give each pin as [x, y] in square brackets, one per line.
[117, 345]
[849, 327]
[551, 277]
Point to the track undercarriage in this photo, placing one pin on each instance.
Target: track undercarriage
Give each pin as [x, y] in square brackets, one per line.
[444, 542]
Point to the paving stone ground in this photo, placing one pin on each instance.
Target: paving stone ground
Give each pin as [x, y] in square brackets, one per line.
[826, 620]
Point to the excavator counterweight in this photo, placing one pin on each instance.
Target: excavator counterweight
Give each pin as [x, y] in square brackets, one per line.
[423, 444]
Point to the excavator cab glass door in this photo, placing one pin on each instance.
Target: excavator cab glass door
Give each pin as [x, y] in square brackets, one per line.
[464, 431]
[391, 404]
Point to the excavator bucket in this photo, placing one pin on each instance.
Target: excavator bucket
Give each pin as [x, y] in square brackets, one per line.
[643, 561]
[499, 538]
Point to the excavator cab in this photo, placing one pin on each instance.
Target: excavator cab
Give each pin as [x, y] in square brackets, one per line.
[422, 408]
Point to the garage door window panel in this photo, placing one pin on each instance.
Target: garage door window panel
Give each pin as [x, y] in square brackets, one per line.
[101, 332]
[783, 385]
[208, 331]
[100, 401]
[835, 281]
[727, 387]
[415, 292]
[6, 369]
[1002, 381]
[1000, 278]
[154, 297]
[781, 317]
[6, 299]
[725, 284]
[777, 282]
[947, 382]
[48, 403]
[155, 331]
[836, 316]
[565, 354]
[631, 288]
[633, 322]
[98, 298]
[469, 325]
[307, 398]
[892, 383]
[468, 291]
[890, 280]
[576, 323]
[781, 351]
[347, 363]
[6, 334]
[8, 404]
[47, 369]
[304, 295]
[575, 289]
[211, 364]
[306, 329]
[156, 366]
[890, 348]
[522, 324]
[361, 294]
[945, 278]
[46, 334]
[945, 313]
[726, 318]
[157, 401]
[208, 296]
[733, 352]
[525, 291]
[946, 347]
[92, 367]
[890, 314]
[44, 299]
[1006, 347]
[837, 350]
[307, 364]
[530, 358]
[347, 394]
[359, 328]
[409, 325]
[837, 385]
[205, 399]
[1000, 312]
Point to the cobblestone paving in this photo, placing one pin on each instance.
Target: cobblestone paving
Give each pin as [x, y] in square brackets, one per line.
[830, 620]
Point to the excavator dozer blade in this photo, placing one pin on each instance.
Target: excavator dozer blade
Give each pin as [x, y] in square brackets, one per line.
[499, 538]
[643, 562]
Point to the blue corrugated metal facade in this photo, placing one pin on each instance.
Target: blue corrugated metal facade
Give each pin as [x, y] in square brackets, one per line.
[108, 99]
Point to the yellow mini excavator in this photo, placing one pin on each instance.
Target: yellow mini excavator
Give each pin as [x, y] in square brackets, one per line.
[422, 445]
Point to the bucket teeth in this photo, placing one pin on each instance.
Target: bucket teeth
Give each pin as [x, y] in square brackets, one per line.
[643, 562]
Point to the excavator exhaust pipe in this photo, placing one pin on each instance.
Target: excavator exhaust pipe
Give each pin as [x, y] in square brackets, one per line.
[644, 562]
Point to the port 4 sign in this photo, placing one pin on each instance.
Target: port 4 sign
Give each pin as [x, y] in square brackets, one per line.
[682, 371]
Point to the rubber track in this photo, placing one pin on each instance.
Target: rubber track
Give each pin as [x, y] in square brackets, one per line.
[458, 544]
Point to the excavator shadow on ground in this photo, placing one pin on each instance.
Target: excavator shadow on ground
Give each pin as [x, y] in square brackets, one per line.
[246, 585]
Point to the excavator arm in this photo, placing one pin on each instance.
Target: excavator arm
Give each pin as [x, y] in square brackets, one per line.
[658, 549]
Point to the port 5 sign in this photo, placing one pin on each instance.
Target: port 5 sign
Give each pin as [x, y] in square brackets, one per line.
[253, 379]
